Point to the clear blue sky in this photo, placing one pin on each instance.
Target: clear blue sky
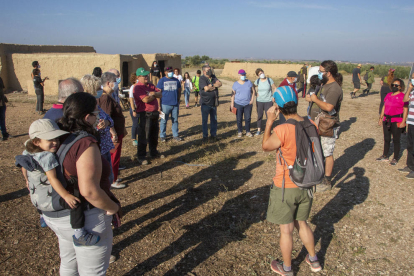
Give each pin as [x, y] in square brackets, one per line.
[347, 30]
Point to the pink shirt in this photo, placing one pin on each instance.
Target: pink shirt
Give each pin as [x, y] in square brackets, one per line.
[394, 105]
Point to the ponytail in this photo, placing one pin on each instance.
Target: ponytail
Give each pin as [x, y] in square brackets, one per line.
[338, 78]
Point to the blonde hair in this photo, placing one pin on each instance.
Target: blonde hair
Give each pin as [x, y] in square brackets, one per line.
[91, 84]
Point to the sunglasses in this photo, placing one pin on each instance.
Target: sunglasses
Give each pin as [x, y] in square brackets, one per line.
[395, 85]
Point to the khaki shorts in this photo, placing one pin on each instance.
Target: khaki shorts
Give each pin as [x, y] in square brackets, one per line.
[296, 205]
[328, 145]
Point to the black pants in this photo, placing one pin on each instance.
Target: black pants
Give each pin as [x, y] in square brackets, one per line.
[395, 131]
[369, 86]
[410, 147]
[148, 133]
[40, 99]
[262, 107]
[77, 215]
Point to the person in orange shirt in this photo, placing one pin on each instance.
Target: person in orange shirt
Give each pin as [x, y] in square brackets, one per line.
[292, 211]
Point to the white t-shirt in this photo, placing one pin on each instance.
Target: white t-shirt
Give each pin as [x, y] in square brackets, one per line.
[131, 93]
[312, 72]
[179, 77]
[188, 84]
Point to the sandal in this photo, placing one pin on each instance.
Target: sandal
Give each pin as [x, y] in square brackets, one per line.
[393, 162]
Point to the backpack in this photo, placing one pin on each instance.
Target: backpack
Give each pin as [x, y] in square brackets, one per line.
[257, 82]
[366, 76]
[308, 169]
[42, 195]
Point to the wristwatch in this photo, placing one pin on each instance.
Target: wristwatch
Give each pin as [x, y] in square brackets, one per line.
[134, 110]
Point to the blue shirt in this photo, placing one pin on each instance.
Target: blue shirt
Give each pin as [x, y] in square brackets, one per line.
[55, 113]
[243, 92]
[169, 88]
[106, 143]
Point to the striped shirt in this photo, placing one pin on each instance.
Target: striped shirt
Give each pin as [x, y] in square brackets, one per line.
[410, 117]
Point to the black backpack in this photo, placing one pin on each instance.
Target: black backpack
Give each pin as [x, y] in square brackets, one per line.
[257, 82]
[308, 169]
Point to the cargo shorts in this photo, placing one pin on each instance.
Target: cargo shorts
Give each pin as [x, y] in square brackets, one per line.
[296, 205]
[328, 145]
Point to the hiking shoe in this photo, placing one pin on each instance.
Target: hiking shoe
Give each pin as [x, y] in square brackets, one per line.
[205, 140]
[324, 186]
[213, 139]
[258, 133]
[410, 175]
[248, 134]
[393, 162]
[143, 161]
[178, 139]
[163, 139]
[405, 169]
[135, 143]
[239, 134]
[86, 240]
[315, 265]
[382, 158]
[277, 266]
[117, 185]
[42, 222]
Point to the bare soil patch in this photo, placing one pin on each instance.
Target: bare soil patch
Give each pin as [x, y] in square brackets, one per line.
[201, 210]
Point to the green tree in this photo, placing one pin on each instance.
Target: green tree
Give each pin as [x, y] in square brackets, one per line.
[204, 58]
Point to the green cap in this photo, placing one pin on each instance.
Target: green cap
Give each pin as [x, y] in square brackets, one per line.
[141, 72]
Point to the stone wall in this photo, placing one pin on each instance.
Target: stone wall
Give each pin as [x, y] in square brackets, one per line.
[271, 70]
[57, 67]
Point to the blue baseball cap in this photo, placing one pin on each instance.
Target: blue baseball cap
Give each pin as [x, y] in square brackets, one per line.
[284, 94]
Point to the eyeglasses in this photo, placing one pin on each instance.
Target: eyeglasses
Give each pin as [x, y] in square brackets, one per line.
[395, 85]
[319, 71]
[94, 113]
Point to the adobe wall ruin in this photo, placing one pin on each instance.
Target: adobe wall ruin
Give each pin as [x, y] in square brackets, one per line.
[271, 70]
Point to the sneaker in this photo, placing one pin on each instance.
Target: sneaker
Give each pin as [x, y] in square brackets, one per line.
[382, 158]
[324, 186]
[163, 139]
[213, 139]
[248, 134]
[410, 175]
[117, 185]
[143, 161]
[135, 143]
[42, 222]
[393, 162]
[277, 266]
[239, 134]
[112, 259]
[315, 265]
[405, 169]
[178, 139]
[258, 133]
[86, 240]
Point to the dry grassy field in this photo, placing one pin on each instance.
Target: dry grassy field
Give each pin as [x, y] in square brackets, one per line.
[201, 210]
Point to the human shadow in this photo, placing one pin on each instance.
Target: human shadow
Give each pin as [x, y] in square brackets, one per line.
[196, 129]
[350, 194]
[346, 125]
[195, 196]
[215, 231]
[14, 195]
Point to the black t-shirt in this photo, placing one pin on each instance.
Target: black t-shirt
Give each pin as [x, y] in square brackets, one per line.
[208, 98]
[37, 81]
[355, 73]
[155, 71]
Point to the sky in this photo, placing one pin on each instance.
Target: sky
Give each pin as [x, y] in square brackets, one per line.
[357, 31]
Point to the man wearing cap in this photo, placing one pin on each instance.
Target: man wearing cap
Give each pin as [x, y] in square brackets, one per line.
[356, 80]
[294, 209]
[290, 80]
[170, 102]
[146, 97]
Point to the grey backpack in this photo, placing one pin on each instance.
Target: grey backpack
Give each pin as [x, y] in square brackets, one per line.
[308, 169]
[42, 195]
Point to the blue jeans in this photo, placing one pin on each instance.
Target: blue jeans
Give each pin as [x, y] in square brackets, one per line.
[3, 120]
[247, 111]
[135, 125]
[167, 109]
[212, 111]
[187, 96]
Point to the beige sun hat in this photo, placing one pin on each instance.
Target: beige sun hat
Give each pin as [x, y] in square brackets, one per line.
[45, 129]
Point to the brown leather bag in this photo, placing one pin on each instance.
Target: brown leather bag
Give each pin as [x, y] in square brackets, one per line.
[326, 124]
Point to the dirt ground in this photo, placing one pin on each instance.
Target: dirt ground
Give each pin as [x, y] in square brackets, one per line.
[201, 210]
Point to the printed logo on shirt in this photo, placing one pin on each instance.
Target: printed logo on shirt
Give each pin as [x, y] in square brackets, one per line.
[170, 86]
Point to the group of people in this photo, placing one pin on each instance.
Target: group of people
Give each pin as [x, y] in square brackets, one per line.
[71, 160]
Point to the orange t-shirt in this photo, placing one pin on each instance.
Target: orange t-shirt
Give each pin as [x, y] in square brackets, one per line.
[287, 136]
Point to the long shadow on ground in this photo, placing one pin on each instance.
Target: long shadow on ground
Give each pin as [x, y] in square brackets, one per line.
[352, 192]
[213, 232]
[194, 196]
[14, 195]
